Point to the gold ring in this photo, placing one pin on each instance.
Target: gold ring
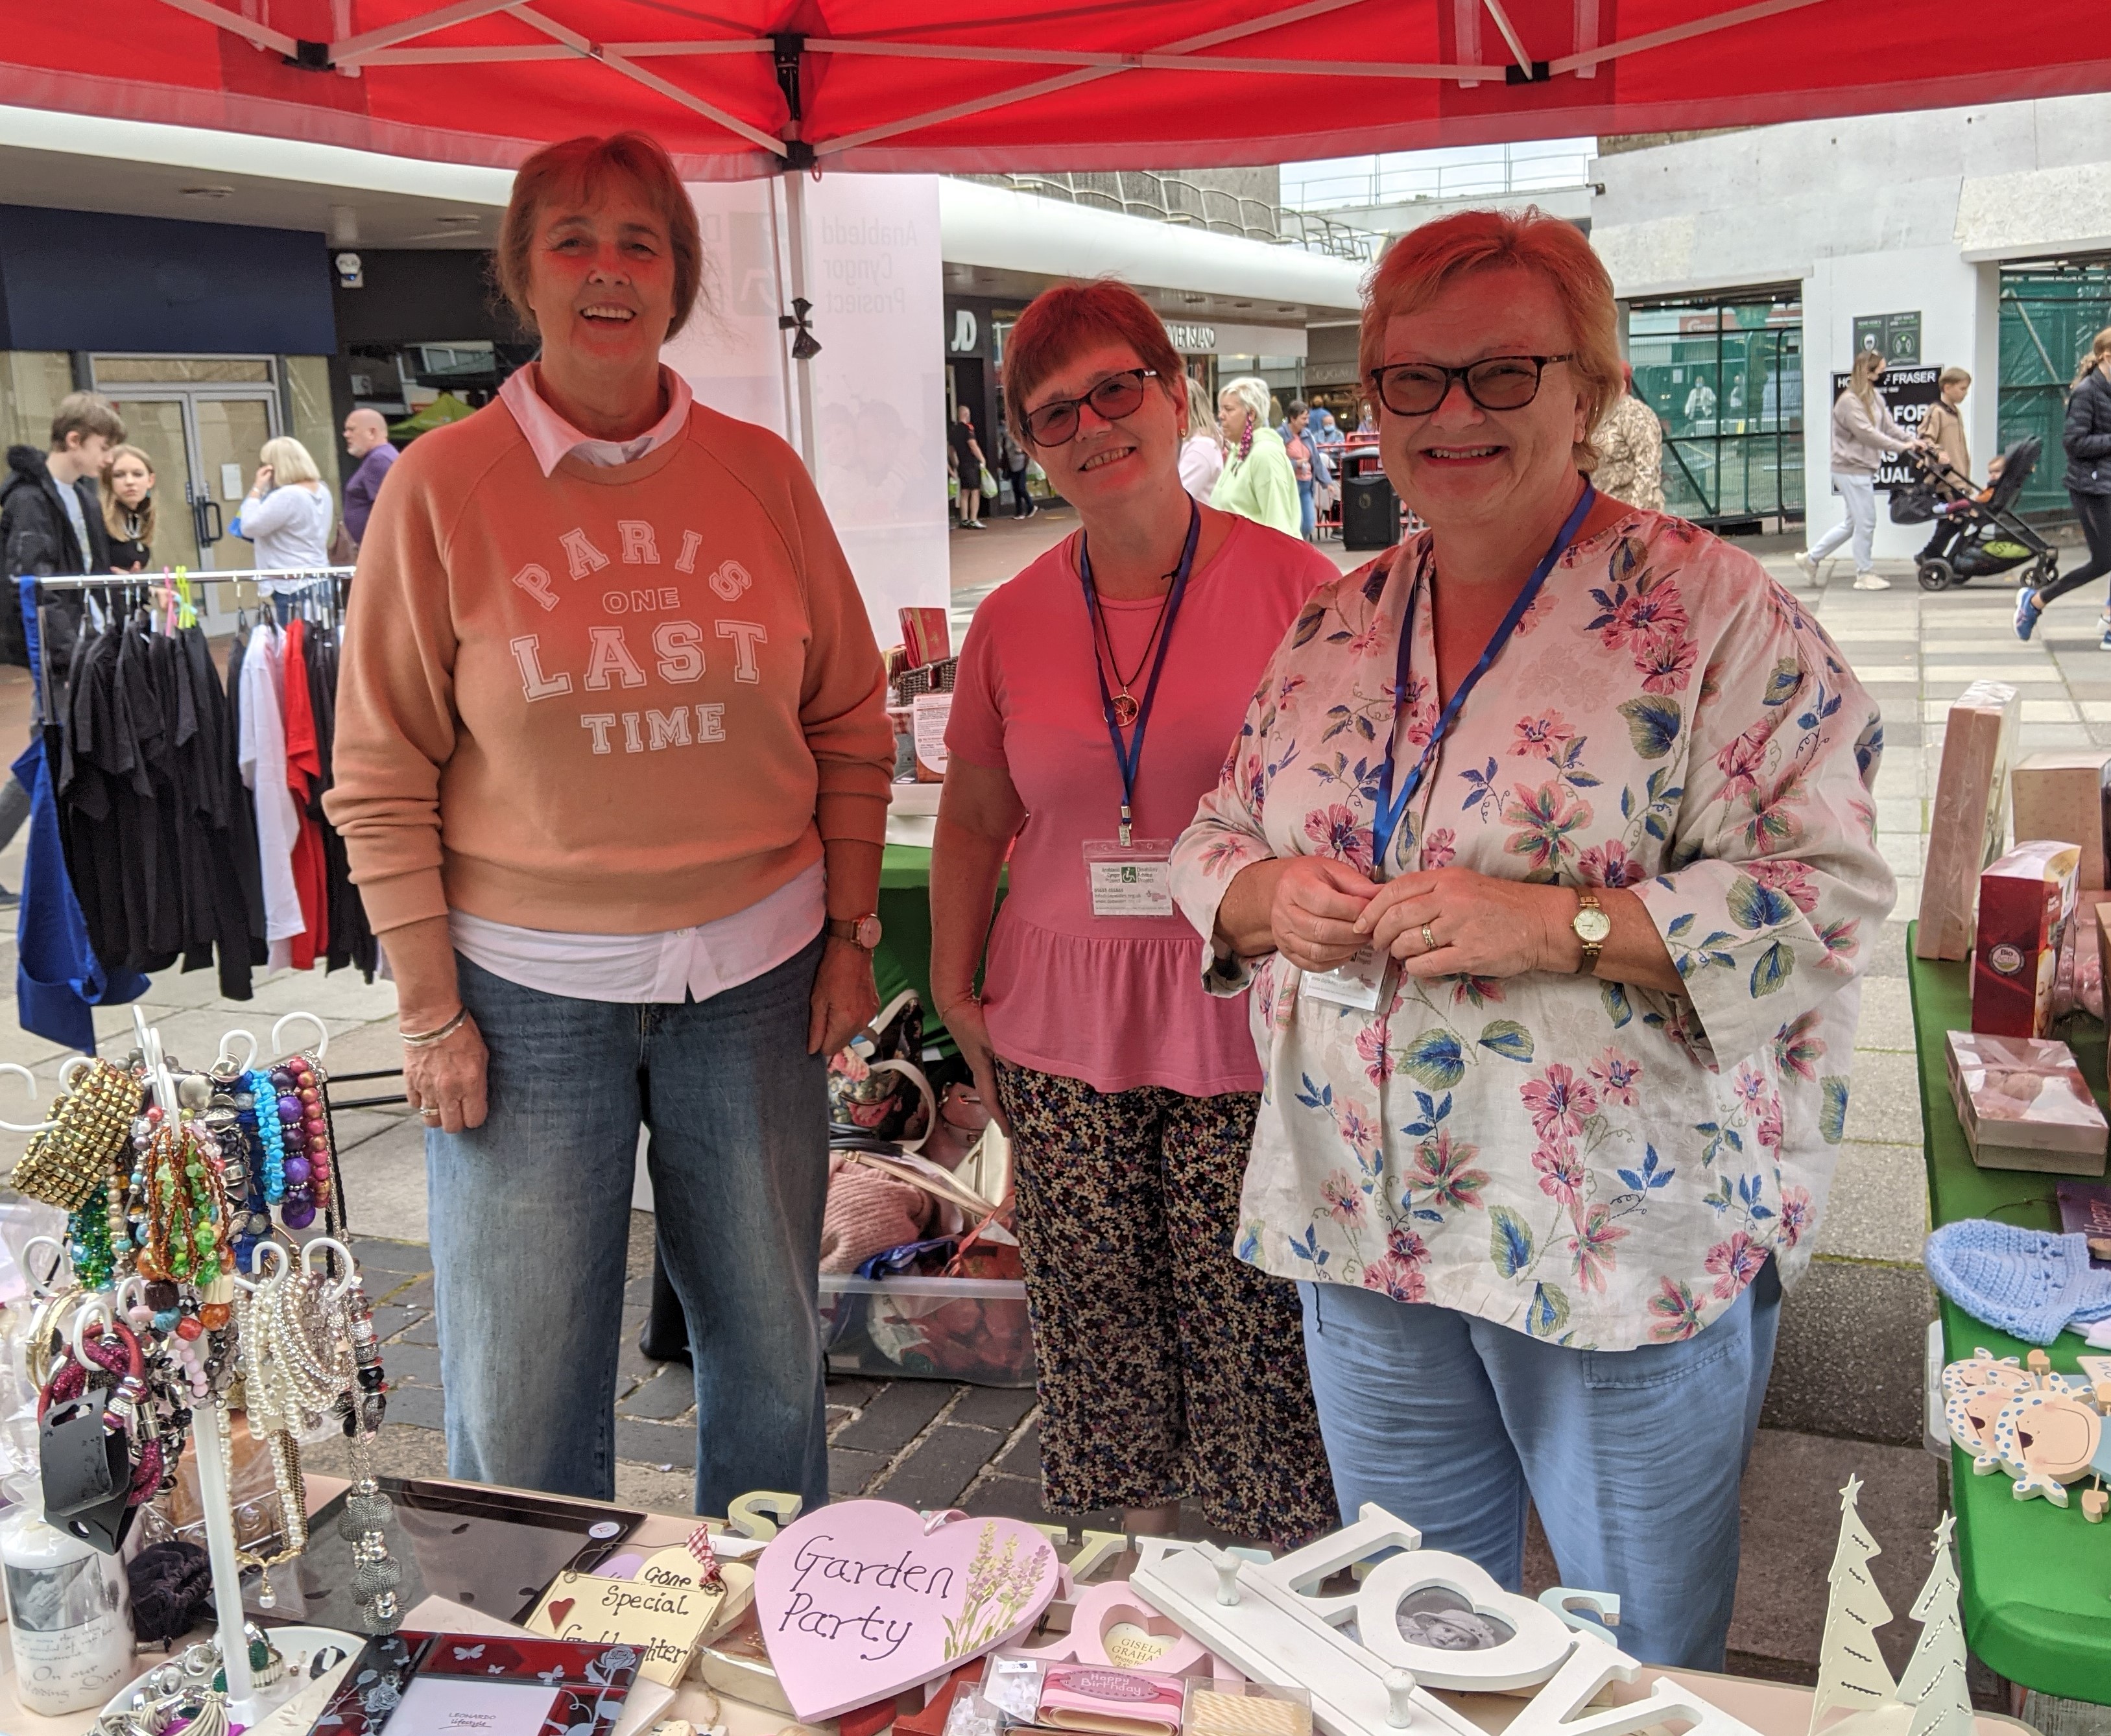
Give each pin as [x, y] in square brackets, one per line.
[431, 1116]
[1428, 939]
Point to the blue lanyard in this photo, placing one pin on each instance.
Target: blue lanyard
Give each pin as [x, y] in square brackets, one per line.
[1385, 819]
[1130, 758]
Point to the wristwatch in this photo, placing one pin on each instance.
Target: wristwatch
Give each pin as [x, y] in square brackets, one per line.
[860, 931]
[1593, 927]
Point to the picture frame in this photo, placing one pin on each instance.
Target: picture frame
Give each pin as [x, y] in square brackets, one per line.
[416, 1684]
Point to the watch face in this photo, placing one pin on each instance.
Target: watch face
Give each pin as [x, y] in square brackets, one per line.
[1591, 924]
[868, 932]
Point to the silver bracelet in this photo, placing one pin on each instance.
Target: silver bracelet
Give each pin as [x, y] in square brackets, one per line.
[427, 1039]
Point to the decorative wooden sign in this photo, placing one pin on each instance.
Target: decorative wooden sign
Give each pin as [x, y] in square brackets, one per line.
[663, 1612]
[1421, 1619]
[865, 1598]
[1109, 1624]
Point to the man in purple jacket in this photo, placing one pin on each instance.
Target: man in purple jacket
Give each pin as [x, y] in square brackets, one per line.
[366, 438]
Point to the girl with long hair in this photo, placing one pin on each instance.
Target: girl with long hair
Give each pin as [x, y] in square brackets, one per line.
[1202, 452]
[128, 508]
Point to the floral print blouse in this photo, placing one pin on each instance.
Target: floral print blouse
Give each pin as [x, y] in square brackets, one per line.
[1600, 1166]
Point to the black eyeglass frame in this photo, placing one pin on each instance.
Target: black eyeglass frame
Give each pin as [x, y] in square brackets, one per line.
[1075, 405]
[1376, 378]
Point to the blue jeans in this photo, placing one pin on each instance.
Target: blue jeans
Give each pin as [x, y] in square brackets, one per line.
[285, 604]
[1308, 510]
[531, 1216]
[1633, 1457]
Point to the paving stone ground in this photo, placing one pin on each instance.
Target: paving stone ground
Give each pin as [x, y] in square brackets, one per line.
[1846, 1393]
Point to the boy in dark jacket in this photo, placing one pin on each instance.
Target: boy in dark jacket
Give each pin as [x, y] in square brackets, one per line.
[51, 523]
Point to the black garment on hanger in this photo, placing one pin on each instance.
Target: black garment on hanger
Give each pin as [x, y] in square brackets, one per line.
[351, 940]
[222, 830]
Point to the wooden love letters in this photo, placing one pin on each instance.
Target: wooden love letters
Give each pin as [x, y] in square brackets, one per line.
[1422, 1618]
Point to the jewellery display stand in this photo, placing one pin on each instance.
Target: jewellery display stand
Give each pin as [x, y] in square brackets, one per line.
[210, 1435]
[211, 1439]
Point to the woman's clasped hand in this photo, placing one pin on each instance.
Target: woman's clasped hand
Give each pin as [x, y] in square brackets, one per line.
[1448, 922]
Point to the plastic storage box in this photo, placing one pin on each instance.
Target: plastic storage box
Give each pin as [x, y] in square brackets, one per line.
[934, 1328]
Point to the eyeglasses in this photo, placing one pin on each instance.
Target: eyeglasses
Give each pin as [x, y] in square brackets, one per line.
[1415, 388]
[1055, 423]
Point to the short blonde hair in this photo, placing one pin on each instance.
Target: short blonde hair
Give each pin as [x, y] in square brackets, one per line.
[1424, 262]
[1954, 376]
[289, 460]
[1251, 390]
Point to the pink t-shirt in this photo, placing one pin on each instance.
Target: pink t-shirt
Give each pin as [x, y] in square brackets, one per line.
[1115, 1001]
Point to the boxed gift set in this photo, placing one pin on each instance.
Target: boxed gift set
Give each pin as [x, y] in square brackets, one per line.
[2025, 908]
[2024, 1105]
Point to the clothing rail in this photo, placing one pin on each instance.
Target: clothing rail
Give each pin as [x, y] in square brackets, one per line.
[91, 581]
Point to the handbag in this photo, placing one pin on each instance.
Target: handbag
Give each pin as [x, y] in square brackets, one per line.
[876, 1089]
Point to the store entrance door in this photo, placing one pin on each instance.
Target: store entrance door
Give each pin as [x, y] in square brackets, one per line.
[202, 420]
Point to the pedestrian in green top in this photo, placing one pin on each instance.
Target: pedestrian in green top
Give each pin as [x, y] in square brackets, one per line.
[1258, 483]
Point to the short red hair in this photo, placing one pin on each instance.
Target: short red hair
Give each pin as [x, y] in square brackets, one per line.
[1062, 322]
[581, 167]
[1419, 265]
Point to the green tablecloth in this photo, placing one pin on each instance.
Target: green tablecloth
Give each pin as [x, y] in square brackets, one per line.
[2036, 1579]
[903, 960]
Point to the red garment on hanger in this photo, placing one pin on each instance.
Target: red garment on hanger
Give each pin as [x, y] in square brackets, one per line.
[304, 769]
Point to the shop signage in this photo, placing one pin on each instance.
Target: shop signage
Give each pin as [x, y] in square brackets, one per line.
[1894, 336]
[961, 341]
[1192, 340]
[1908, 392]
[865, 1598]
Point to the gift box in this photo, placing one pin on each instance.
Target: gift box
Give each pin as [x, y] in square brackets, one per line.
[2065, 797]
[926, 635]
[1970, 825]
[2026, 903]
[2024, 1105]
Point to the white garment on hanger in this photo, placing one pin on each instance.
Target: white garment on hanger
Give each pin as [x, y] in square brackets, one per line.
[263, 761]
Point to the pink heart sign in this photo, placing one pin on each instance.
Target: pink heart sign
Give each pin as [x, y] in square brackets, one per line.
[858, 1601]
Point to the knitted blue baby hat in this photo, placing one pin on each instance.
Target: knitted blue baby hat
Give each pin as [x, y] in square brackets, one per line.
[2027, 1282]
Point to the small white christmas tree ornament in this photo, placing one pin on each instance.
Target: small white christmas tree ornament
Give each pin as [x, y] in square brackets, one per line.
[1852, 1676]
[1934, 1683]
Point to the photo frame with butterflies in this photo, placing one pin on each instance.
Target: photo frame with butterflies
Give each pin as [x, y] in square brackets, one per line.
[419, 1684]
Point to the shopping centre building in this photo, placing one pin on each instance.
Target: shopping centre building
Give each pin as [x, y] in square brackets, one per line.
[223, 288]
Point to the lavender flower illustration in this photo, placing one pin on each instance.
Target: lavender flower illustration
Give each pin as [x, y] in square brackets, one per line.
[999, 1586]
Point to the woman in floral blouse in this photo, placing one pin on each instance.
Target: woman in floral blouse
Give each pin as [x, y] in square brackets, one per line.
[1556, 1063]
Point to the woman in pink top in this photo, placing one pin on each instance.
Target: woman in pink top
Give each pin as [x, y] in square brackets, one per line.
[1167, 1367]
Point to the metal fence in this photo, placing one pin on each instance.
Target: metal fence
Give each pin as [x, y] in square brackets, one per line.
[1168, 198]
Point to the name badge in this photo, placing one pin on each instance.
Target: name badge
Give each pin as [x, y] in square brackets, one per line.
[1359, 982]
[1132, 879]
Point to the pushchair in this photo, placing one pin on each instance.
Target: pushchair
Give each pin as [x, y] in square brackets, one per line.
[1987, 535]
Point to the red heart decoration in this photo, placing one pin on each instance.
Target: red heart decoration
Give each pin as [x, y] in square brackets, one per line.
[559, 1610]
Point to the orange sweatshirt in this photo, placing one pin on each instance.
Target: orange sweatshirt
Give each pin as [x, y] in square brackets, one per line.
[611, 701]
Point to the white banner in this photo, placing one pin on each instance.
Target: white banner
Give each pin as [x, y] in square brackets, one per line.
[873, 276]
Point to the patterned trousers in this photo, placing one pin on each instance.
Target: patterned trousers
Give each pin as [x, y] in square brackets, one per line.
[1169, 1368]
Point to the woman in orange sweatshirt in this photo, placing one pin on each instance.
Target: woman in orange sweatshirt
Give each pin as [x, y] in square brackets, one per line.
[612, 765]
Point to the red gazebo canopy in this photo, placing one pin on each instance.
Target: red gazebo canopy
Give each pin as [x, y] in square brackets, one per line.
[740, 88]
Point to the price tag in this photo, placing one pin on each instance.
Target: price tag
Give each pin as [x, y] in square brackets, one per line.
[1132, 879]
[1360, 982]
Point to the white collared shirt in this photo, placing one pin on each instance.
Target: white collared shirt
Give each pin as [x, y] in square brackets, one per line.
[674, 964]
[553, 439]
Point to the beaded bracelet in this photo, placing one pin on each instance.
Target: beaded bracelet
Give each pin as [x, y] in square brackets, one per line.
[268, 1123]
[68, 1161]
[304, 1137]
